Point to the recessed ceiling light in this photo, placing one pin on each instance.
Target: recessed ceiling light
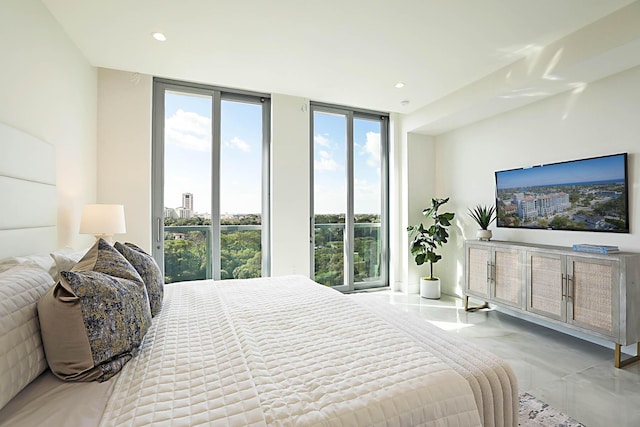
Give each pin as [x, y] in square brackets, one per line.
[405, 102]
[159, 36]
[399, 85]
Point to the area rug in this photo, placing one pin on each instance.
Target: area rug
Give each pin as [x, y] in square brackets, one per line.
[536, 413]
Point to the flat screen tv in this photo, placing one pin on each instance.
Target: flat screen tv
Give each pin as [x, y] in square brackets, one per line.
[583, 195]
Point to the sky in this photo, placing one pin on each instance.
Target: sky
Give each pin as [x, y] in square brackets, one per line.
[188, 157]
[188, 154]
[330, 164]
[587, 170]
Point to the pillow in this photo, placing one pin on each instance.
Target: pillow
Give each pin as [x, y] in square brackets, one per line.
[21, 353]
[66, 258]
[94, 319]
[8, 263]
[148, 269]
[41, 261]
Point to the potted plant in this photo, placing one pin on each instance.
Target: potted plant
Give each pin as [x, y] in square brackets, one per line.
[483, 216]
[425, 243]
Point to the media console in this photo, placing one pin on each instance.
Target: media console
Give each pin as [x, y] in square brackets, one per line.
[592, 293]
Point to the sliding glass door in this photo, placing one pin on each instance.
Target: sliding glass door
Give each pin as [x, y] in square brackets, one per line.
[210, 177]
[349, 203]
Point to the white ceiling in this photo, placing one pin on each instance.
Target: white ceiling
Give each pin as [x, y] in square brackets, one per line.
[349, 52]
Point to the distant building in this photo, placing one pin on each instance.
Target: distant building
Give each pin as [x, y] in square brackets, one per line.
[186, 210]
[530, 207]
[187, 201]
[552, 203]
[184, 213]
[171, 213]
[526, 208]
[510, 209]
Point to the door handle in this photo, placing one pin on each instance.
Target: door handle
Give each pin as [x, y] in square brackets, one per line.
[488, 272]
[570, 285]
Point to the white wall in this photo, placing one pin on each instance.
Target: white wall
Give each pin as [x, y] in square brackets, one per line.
[599, 121]
[398, 196]
[48, 89]
[290, 186]
[124, 149]
[421, 179]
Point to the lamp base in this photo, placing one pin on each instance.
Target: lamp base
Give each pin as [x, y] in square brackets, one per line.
[107, 237]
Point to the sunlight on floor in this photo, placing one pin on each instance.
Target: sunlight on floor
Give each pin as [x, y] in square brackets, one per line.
[449, 326]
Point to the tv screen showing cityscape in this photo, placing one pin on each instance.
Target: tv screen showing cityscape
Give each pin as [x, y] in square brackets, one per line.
[582, 195]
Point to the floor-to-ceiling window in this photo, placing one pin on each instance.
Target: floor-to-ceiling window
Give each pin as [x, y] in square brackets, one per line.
[349, 202]
[210, 177]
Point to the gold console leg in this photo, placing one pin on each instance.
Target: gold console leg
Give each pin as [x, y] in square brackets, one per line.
[479, 307]
[618, 357]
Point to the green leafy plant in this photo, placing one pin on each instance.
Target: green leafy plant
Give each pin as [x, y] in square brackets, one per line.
[425, 241]
[483, 215]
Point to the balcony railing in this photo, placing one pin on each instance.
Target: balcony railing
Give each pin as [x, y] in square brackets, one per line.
[188, 252]
[329, 253]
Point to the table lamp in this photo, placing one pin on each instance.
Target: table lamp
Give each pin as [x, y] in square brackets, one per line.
[103, 221]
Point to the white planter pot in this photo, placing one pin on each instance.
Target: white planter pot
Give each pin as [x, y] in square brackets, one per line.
[430, 288]
[484, 235]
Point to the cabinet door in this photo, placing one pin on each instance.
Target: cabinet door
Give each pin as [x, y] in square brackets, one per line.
[546, 285]
[593, 294]
[478, 271]
[507, 277]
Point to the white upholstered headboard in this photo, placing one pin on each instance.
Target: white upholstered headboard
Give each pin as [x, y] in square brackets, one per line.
[28, 201]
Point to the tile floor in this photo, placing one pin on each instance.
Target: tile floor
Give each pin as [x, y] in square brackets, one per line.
[575, 376]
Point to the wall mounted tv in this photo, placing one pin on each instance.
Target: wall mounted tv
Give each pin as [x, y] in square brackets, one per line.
[583, 195]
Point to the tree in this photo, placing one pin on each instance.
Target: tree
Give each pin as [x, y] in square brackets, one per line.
[184, 260]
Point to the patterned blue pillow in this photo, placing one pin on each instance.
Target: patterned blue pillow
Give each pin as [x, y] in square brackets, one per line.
[148, 269]
[95, 318]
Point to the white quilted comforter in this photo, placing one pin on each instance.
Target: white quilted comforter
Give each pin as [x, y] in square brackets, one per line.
[493, 382]
[282, 351]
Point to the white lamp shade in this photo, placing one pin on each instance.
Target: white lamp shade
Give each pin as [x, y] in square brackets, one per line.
[103, 220]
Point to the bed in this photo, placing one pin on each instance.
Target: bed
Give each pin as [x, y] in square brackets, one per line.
[255, 352]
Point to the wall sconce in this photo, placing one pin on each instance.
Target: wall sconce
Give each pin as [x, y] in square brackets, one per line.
[103, 221]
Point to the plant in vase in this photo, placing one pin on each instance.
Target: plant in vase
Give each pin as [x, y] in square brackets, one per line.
[425, 242]
[483, 216]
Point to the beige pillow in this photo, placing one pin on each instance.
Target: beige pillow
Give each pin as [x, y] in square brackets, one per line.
[94, 319]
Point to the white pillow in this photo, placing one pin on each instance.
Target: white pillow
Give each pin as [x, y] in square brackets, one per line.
[66, 258]
[42, 261]
[22, 356]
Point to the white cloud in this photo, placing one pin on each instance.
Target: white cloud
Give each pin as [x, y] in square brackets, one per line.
[321, 140]
[188, 130]
[238, 143]
[366, 196]
[325, 163]
[372, 147]
[185, 140]
[330, 199]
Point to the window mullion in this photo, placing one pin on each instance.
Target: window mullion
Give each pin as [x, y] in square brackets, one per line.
[349, 217]
[215, 187]
[266, 188]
